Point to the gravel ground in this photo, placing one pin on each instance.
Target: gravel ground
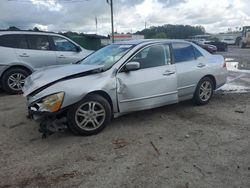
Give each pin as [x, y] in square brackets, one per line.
[177, 146]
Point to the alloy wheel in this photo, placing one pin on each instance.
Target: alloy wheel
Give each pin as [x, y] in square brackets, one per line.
[205, 91]
[16, 81]
[90, 116]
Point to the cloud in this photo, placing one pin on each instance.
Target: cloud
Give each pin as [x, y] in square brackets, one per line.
[79, 15]
[170, 3]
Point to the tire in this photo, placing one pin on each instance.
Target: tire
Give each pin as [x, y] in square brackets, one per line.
[242, 44]
[204, 91]
[13, 80]
[89, 116]
[226, 49]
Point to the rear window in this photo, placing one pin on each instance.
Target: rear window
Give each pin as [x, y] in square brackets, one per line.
[13, 41]
[183, 52]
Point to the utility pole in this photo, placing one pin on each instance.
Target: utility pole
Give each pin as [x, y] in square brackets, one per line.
[110, 2]
[112, 20]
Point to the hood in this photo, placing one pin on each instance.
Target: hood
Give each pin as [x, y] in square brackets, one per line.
[51, 74]
[87, 52]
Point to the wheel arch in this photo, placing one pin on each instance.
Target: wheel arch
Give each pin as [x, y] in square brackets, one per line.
[17, 66]
[104, 95]
[212, 78]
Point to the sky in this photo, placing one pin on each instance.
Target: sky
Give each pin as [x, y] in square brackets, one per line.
[129, 15]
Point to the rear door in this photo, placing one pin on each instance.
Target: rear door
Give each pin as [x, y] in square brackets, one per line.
[153, 85]
[190, 67]
[66, 51]
[38, 52]
[8, 44]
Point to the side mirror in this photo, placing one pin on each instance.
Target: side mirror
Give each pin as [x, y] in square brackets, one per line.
[132, 66]
[78, 49]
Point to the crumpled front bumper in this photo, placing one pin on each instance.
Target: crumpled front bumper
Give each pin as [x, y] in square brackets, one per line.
[49, 122]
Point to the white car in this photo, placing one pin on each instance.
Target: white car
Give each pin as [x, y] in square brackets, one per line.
[229, 41]
[23, 52]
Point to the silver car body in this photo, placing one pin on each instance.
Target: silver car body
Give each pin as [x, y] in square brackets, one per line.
[136, 90]
[31, 59]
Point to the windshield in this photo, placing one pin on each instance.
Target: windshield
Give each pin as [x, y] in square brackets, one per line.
[107, 56]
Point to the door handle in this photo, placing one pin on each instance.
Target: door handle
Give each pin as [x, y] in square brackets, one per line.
[200, 65]
[61, 56]
[167, 73]
[24, 55]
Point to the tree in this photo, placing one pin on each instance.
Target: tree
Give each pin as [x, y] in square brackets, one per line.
[160, 35]
[35, 29]
[172, 31]
[13, 28]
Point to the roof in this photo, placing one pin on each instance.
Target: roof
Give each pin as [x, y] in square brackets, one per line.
[140, 41]
[27, 32]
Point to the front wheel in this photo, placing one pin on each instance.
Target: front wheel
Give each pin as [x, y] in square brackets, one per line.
[204, 91]
[89, 116]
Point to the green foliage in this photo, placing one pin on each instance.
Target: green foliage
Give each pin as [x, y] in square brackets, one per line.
[172, 31]
[13, 28]
[160, 35]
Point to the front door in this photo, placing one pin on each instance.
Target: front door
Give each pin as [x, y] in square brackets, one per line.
[153, 85]
[66, 51]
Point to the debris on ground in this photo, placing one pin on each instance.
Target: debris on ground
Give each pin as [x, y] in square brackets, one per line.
[155, 148]
[187, 136]
[239, 111]
[120, 143]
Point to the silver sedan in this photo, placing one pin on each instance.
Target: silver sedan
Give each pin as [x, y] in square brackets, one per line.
[121, 78]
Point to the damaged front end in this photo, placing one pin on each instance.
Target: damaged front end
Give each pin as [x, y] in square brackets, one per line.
[45, 97]
[48, 123]
[47, 112]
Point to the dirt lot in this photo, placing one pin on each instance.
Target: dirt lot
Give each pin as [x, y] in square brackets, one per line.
[177, 146]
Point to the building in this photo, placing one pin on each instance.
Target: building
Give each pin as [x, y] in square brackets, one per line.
[121, 37]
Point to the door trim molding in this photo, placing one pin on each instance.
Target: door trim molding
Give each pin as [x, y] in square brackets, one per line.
[185, 87]
[149, 97]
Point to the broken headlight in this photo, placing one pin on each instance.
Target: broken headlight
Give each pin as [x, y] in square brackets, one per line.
[51, 103]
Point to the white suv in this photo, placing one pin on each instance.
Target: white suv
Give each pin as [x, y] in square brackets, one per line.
[22, 52]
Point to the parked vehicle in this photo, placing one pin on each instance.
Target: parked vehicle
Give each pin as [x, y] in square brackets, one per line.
[244, 39]
[209, 47]
[23, 52]
[122, 78]
[221, 46]
[229, 41]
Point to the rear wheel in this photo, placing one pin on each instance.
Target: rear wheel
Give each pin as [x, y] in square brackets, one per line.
[204, 91]
[242, 44]
[13, 80]
[89, 116]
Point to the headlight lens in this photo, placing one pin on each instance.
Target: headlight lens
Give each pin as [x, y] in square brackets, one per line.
[51, 103]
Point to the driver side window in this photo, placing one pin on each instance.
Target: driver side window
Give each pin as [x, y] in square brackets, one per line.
[153, 56]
